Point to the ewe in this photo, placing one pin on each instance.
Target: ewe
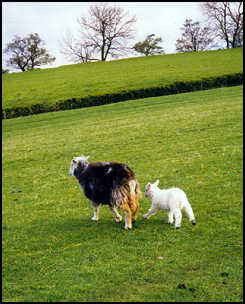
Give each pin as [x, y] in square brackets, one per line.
[108, 183]
[173, 200]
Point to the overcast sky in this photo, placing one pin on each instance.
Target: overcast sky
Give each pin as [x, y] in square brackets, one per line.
[52, 19]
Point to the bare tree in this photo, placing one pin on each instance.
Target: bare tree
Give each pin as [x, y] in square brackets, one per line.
[75, 50]
[194, 38]
[27, 53]
[226, 20]
[149, 46]
[107, 30]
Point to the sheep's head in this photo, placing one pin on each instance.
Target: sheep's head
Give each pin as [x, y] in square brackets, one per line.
[81, 161]
[150, 188]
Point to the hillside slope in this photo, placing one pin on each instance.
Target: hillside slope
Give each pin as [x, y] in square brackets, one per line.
[72, 86]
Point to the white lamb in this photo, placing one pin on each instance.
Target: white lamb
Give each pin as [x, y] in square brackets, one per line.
[173, 200]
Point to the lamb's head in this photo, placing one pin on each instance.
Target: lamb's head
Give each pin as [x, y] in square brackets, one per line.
[149, 189]
[78, 162]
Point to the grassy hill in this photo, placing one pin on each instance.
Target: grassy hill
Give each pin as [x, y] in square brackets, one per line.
[53, 252]
[104, 82]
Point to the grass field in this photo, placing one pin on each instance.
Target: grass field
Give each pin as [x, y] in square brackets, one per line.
[52, 251]
[99, 78]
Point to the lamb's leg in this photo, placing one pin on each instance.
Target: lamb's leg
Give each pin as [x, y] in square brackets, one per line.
[178, 218]
[96, 212]
[188, 210]
[170, 217]
[150, 212]
[117, 215]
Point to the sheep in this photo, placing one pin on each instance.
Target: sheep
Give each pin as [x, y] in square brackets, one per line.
[173, 200]
[108, 183]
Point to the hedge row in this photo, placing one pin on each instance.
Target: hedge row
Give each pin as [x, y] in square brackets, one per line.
[174, 88]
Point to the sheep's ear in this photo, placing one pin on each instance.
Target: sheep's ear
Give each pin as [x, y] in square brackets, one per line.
[156, 182]
[148, 186]
[87, 157]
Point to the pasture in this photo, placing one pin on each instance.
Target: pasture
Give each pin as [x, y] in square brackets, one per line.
[52, 251]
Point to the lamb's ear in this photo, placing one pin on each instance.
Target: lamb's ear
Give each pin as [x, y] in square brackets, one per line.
[156, 182]
[87, 157]
[148, 186]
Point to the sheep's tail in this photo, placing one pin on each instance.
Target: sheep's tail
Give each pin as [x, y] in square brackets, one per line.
[127, 194]
[135, 188]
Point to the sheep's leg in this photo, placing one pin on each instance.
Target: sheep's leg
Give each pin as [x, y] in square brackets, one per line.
[178, 218]
[96, 212]
[133, 200]
[170, 217]
[150, 212]
[128, 218]
[117, 215]
[134, 208]
[188, 210]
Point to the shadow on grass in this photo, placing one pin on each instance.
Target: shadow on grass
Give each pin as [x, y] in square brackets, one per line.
[60, 232]
[107, 224]
[83, 228]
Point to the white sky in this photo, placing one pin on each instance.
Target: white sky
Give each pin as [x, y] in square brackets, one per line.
[52, 19]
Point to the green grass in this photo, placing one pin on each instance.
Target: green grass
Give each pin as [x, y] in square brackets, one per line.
[94, 79]
[52, 251]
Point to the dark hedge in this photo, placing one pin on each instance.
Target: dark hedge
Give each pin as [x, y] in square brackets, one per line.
[89, 101]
